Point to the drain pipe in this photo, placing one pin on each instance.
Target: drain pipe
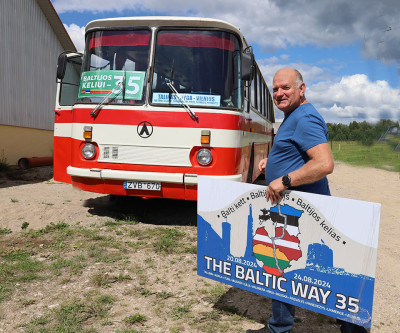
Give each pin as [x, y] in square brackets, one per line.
[26, 163]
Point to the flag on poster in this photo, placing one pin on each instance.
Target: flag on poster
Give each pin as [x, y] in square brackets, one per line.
[317, 252]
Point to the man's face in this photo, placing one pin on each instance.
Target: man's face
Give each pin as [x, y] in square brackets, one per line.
[287, 96]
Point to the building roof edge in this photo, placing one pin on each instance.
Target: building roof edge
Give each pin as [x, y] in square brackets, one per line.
[55, 22]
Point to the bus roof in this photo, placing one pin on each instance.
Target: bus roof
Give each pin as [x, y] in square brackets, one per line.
[165, 21]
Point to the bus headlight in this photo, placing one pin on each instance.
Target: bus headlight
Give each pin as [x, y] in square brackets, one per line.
[88, 151]
[204, 156]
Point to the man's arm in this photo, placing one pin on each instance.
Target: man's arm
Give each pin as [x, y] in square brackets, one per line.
[319, 165]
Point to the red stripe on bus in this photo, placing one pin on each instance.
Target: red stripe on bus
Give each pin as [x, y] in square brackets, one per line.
[61, 159]
[63, 116]
[162, 119]
[196, 40]
[156, 118]
[122, 38]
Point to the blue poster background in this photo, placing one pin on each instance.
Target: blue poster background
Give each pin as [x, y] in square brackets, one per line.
[319, 286]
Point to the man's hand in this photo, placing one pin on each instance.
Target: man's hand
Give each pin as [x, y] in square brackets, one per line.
[274, 190]
[262, 164]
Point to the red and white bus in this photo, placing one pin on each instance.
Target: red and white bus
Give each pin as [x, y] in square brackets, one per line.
[153, 102]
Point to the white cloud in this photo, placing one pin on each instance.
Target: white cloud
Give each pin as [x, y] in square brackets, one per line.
[77, 35]
[355, 97]
[275, 24]
[341, 100]
[310, 73]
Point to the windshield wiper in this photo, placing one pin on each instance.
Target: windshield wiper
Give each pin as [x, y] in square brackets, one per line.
[183, 103]
[116, 90]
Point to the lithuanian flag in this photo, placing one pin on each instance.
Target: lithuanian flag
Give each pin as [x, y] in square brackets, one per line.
[266, 255]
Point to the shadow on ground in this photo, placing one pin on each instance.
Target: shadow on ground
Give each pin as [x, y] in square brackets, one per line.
[150, 211]
[14, 176]
[258, 308]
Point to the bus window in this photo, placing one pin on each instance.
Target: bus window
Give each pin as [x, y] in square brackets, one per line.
[270, 108]
[115, 66]
[260, 95]
[265, 98]
[203, 66]
[253, 93]
[70, 83]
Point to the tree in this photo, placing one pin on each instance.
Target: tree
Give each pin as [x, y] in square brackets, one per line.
[363, 132]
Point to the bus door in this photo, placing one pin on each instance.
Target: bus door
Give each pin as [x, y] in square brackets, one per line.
[68, 77]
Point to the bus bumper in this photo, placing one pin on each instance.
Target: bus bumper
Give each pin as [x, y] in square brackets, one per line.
[174, 185]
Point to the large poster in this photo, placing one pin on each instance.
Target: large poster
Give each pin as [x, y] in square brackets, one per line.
[316, 252]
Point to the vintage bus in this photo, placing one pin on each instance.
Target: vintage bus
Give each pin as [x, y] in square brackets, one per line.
[153, 102]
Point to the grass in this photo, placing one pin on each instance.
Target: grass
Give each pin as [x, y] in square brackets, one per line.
[91, 279]
[216, 292]
[103, 254]
[180, 310]
[380, 155]
[72, 316]
[4, 231]
[169, 240]
[136, 318]
[17, 266]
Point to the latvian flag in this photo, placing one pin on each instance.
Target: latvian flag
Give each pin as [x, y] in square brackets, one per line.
[286, 249]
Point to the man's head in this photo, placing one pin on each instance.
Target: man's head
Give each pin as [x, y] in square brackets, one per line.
[288, 89]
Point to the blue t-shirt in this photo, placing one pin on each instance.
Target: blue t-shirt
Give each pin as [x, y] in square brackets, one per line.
[300, 130]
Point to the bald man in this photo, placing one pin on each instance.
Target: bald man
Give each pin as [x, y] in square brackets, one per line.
[300, 159]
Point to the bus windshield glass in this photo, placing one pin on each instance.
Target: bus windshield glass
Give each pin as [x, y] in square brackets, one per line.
[115, 66]
[202, 65]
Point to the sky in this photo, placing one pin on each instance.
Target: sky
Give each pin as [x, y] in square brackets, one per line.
[347, 51]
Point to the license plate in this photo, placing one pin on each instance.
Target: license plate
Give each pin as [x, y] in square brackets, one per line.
[146, 186]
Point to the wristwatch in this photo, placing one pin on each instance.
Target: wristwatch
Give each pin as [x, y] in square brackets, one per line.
[286, 181]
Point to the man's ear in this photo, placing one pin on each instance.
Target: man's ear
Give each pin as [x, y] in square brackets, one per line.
[302, 89]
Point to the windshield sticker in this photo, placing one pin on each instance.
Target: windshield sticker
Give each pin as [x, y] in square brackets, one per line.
[117, 84]
[191, 99]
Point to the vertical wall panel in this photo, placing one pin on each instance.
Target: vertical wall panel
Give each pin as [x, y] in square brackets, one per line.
[28, 60]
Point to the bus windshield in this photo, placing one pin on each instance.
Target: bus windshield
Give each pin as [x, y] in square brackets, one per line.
[115, 66]
[203, 66]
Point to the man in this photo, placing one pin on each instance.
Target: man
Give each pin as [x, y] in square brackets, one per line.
[300, 159]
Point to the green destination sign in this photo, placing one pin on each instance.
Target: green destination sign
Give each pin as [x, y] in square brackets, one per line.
[121, 84]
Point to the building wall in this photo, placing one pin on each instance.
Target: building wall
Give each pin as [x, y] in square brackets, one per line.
[28, 62]
[19, 142]
[29, 50]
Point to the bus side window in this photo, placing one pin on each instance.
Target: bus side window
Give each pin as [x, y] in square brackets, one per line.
[260, 95]
[253, 90]
[69, 85]
[264, 110]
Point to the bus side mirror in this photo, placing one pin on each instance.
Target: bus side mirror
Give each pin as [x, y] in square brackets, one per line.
[61, 66]
[247, 66]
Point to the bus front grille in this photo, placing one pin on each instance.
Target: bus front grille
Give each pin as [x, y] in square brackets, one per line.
[144, 155]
